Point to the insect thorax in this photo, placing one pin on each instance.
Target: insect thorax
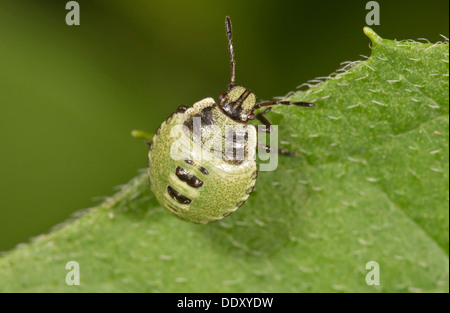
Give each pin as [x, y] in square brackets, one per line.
[218, 135]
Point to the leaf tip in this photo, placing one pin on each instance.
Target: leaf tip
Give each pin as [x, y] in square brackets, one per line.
[372, 35]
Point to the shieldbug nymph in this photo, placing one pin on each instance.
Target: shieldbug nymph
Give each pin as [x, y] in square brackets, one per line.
[204, 190]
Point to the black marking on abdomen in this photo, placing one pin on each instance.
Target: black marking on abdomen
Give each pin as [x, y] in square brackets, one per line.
[203, 170]
[186, 176]
[177, 196]
[189, 161]
[206, 118]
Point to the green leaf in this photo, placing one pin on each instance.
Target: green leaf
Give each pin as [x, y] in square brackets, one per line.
[370, 184]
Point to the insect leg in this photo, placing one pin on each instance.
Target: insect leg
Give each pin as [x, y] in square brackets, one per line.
[268, 129]
[260, 117]
[280, 150]
[143, 135]
[300, 103]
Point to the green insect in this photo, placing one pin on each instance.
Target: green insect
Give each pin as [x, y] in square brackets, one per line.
[208, 188]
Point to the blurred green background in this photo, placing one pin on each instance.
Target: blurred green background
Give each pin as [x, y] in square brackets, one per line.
[70, 95]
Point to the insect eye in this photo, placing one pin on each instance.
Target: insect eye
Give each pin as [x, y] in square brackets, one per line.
[221, 97]
[251, 116]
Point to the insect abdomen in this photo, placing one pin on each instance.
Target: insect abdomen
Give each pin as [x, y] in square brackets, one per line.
[199, 191]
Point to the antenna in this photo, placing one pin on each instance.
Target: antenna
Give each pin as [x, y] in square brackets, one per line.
[231, 50]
